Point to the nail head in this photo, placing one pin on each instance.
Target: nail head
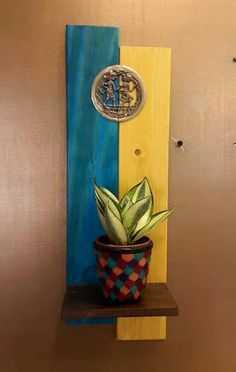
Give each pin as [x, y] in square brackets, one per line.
[179, 143]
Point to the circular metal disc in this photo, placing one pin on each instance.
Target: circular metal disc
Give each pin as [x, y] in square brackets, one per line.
[118, 93]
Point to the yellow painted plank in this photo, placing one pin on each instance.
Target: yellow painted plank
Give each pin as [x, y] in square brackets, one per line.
[146, 328]
[148, 132]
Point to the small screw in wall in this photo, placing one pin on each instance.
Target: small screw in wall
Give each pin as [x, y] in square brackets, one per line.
[178, 143]
[234, 58]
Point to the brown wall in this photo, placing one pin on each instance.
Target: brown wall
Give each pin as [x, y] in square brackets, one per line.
[202, 255]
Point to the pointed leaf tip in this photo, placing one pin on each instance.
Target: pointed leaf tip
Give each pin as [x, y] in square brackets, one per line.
[155, 220]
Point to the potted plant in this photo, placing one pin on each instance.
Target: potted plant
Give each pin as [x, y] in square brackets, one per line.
[123, 254]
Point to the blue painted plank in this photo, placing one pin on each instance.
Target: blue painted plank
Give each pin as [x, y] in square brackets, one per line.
[92, 147]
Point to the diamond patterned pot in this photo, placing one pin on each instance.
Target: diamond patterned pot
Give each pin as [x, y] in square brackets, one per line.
[123, 269]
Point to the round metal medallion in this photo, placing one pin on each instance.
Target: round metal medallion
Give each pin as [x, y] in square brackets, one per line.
[118, 93]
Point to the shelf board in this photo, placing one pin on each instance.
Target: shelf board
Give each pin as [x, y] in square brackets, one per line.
[83, 302]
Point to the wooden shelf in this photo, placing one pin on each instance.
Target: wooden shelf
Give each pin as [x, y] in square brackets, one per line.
[83, 302]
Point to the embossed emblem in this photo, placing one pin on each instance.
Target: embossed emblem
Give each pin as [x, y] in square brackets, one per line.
[118, 93]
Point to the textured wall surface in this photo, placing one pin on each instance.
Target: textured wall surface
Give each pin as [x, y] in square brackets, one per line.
[201, 250]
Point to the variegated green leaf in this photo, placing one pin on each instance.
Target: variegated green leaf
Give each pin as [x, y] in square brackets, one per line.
[128, 196]
[137, 192]
[142, 191]
[135, 212]
[104, 194]
[103, 199]
[126, 206]
[132, 218]
[110, 194]
[145, 218]
[99, 208]
[104, 224]
[153, 222]
[115, 228]
[101, 217]
[99, 205]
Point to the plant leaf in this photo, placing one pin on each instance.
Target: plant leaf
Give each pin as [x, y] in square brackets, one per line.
[115, 230]
[145, 218]
[110, 194]
[135, 212]
[128, 196]
[104, 194]
[126, 206]
[155, 220]
[142, 191]
[103, 222]
[137, 192]
[103, 198]
[99, 205]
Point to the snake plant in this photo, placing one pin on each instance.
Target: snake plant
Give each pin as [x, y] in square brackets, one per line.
[127, 220]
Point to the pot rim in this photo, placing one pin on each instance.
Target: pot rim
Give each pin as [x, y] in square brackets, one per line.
[143, 244]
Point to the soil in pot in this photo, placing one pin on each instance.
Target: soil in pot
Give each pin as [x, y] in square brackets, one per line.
[123, 269]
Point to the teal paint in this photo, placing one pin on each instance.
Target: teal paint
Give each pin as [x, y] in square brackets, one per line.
[92, 147]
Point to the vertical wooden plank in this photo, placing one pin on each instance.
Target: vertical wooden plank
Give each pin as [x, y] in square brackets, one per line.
[149, 132]
[92, 146]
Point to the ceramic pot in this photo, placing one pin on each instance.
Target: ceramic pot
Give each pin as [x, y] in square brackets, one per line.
[123, 269]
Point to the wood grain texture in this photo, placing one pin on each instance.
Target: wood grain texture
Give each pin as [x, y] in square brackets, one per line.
[92, 145]
[86, 302]
[148, 132]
